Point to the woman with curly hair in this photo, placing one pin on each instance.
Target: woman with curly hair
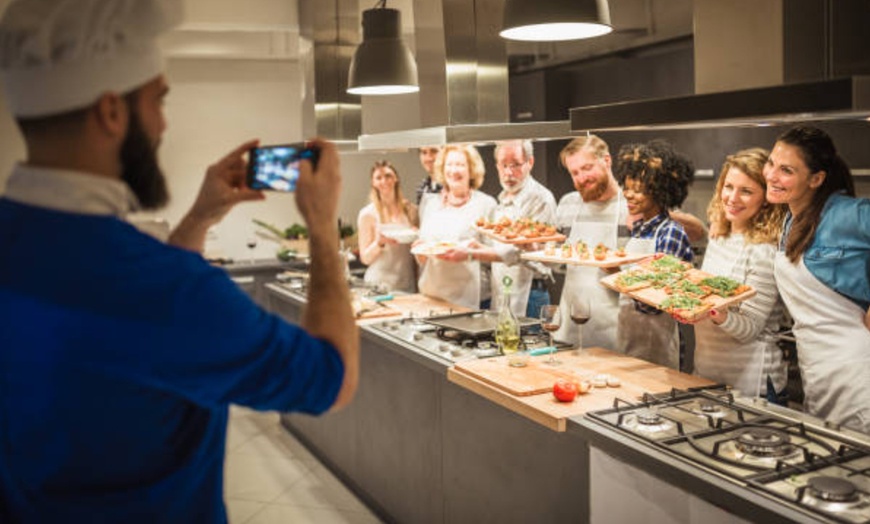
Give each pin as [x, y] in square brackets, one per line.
[822, 269]
[654, 180]
[737, 346]
[389, 262]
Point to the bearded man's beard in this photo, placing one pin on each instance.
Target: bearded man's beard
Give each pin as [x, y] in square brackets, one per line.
[139, 166]
[591, 193]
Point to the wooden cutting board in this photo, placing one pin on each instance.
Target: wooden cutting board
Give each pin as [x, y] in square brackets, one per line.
[422, 306]
[412, 305]
[379, 312]
[637, 377]
[531, 379]
[654, 297]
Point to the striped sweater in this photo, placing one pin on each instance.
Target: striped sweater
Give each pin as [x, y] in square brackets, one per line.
[742, 351]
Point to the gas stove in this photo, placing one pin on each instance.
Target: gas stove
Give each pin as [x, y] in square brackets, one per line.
[436, 335]
[823, 472]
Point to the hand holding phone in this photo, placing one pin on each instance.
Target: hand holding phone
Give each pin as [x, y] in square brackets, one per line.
[276, 167]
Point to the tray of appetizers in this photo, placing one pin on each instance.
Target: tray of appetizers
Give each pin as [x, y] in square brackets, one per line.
[671, 285]
[520, 231]
[579, 253]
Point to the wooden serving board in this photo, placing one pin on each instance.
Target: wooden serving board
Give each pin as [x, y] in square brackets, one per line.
[416, 305]
[380, 312]
[637, 377]
[531, 379]
[558, 237]
[609, 261]
[366, 308]
[654, 297]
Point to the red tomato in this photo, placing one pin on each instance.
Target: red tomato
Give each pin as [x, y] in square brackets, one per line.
[564, 391]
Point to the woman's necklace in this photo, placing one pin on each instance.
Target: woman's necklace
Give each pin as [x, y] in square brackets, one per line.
[456, 201]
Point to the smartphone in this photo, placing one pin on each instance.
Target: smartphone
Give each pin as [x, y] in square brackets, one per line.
[276, 168]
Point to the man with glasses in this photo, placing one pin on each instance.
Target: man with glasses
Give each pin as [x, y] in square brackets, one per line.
[521, 197]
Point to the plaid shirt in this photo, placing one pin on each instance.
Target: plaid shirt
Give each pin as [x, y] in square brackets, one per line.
[671, 239]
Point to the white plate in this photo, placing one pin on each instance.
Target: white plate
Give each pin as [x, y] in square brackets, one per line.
[433, 248]
[401, 234]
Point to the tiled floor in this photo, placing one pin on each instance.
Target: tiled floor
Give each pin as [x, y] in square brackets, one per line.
[270, 478]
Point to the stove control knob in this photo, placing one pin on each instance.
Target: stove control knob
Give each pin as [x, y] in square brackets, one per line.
[457, 351]
[417, 335]
[444, 347]
[394, 326]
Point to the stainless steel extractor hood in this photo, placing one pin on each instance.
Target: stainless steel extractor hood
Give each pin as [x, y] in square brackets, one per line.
[329, 33]
[837, 99]
[760, 64]
[463, 80]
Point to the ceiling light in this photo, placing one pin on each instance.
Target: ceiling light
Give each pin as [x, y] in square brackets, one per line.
[552, 20]
[382, 64]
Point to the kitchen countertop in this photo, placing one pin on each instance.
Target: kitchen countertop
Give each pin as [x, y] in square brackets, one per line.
[518, 419]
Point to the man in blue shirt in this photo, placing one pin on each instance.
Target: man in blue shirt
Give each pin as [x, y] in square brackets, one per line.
[119, 354]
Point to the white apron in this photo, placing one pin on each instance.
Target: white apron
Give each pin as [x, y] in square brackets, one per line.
[585, 281]
[394, 268]
[833, 346]
[520, 289]
[722, 358]
[521, 276]
[654, 338]
[456, 282]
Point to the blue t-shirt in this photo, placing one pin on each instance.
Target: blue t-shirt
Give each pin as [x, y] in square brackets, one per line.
[119, 356]
[839, 255]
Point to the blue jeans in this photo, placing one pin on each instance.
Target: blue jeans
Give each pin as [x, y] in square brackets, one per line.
[780, 399]
[537, 297]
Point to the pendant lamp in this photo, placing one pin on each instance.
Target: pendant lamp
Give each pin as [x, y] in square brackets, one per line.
[382, 64]
[552, 20]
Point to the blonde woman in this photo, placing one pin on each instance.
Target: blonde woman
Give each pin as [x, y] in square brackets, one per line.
[454, 275]
[737, 346]
[389, 262]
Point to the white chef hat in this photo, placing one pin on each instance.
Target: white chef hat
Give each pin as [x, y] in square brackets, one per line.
[60, 55]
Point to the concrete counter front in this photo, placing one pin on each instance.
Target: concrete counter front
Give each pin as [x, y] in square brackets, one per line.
[418, 448]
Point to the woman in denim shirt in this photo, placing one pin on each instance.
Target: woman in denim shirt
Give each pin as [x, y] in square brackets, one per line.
[822, 271]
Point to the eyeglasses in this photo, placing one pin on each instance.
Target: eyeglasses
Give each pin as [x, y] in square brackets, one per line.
[511, 167]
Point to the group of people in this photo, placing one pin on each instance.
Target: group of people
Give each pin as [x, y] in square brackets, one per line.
[785, 222]
[447, 215]
[117, 373]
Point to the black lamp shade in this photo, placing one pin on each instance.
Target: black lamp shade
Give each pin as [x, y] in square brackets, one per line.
[552, 20]
[382, 64]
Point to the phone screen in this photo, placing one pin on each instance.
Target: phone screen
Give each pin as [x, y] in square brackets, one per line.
[275, 167]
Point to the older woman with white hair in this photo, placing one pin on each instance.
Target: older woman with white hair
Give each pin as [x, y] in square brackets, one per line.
[453, 274]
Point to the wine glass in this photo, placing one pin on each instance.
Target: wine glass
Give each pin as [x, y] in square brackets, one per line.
[580, 313]
[551, 320]
[251, 242]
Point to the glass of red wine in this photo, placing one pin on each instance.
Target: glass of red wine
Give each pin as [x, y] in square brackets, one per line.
[551, 320]
[580, 313]
[251, 242]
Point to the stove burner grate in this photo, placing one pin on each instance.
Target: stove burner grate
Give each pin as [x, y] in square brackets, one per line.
[760, 447]
[764, 442]
[648, 417]
[832, 489]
